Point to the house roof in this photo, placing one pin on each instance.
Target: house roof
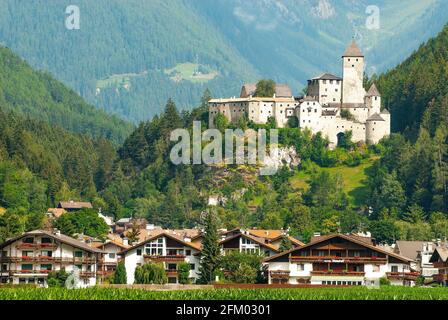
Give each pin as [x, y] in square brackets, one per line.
[281, 90]
[327, 76]
[61, 237]
[164, 233]
[373, 91]
[385, 111]
[409, 249]
[117, 243]
[57, 212]
[258, 240]
[441, 252]
[353, 50]
[343, 236]
[74, 205]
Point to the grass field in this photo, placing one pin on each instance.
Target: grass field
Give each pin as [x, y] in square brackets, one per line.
[118, 80]
[355, 293]
[186, 71]
[354, 180]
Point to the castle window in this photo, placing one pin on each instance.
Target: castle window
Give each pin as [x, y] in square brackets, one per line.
[349, 59]
[353, 65]
[357, 60]
[315, 110]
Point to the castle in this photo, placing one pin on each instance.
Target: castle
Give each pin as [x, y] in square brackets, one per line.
[332, 105]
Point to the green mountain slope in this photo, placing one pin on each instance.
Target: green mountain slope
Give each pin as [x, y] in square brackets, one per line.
[129, 57]
[416, 91]
[38, 95]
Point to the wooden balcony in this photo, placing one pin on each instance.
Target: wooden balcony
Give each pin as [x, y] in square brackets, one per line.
[171, 273]
[35, 246]
[169, 258]
[410, 276]
[279, 274]
[334, 259]
[339, 273]
[440, 277]
[28, 259]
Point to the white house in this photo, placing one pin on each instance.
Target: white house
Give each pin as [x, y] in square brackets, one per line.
[167, 248]
[30, 257]
[340, 260]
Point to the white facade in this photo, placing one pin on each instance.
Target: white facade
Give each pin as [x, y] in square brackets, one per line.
[31, 257]
[339, 260]
[161, 249]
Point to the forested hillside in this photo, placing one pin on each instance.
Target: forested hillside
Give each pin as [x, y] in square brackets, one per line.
[40, 164]
[416, 92]
[130, 57]
[38, 95]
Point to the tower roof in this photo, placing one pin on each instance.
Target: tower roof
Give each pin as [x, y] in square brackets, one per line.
[375, 117]
[385, 111]
[353, 51]
[373, 91]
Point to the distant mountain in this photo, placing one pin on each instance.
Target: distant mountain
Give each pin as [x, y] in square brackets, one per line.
[38, 95]
[130, 56]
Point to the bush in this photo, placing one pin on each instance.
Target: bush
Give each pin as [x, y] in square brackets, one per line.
[151, 273]
[384, 282]
[57, 278]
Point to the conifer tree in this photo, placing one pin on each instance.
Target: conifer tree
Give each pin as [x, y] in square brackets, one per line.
[210, 249]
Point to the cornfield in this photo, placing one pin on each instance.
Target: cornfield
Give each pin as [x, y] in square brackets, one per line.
[356, 293]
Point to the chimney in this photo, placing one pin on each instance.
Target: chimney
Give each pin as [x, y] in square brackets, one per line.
[57, 232]
[316, 234]
[150, 226]
[126, 241]
[186, 239]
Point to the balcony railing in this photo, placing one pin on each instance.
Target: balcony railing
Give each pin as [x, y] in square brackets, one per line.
[171, 272]
[283, 274]
[167, 258]
[37, 259]
[403, 275]
[338, 273]
[36, 245]
[11, 272]
[334, 259]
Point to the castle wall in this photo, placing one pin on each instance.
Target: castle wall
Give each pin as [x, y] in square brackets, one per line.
[377, 130]
[333, 127]
[361, 114]
[330, 91]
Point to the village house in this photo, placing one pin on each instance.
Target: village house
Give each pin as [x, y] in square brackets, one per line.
[332, 105]
[420, 252]
[340, 260]
[108, 264]
[167, 247]
[30, 257]
[71, 206]
[264, 242]
[439, 259]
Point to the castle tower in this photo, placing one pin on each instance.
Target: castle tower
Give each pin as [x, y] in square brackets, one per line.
[353, 75]
[373, 100]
